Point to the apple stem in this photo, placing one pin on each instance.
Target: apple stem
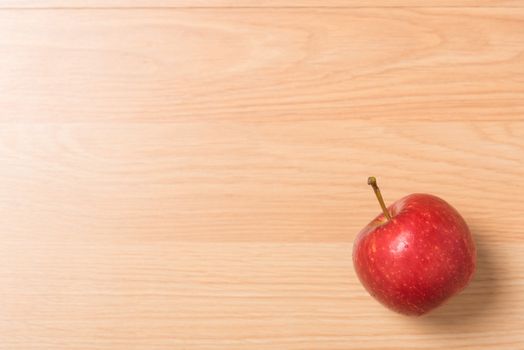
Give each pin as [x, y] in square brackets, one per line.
[373, 182]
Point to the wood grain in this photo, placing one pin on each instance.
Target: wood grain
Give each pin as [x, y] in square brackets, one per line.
[194, 178]
[235, 296]
[216, 181]
[165, 65]
[141, 4]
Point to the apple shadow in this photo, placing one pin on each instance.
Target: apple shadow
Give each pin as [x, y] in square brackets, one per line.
[477, 301]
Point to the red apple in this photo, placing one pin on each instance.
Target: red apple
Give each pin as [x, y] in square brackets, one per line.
[416, 254]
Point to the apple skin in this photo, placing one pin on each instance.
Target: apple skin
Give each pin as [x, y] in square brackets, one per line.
[421, 257]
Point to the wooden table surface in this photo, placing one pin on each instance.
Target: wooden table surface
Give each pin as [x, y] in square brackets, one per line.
[185, 174]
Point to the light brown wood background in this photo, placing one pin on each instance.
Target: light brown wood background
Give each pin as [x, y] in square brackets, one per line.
[191, 174]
